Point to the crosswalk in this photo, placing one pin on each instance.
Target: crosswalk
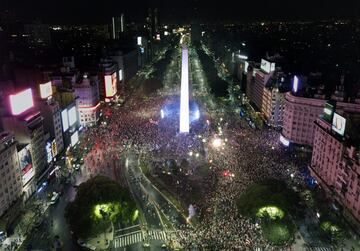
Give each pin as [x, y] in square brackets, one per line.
[321, 249]
[140, 236]
[128, 239]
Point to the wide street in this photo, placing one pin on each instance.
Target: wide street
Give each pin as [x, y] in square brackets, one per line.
[220, 157]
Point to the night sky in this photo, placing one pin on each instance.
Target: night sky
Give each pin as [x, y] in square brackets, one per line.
[100, 11]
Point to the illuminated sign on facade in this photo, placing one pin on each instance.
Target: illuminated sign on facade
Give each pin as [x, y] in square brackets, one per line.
[72, 116]
[26, 166]
[49, 156]
[338, 124]
[246, 66]
[266, 66]
[74, 138]
[110, 85]
[21, 101]
[139, 41]
[295, 84]
[65, 120]
[45, 90]
[120, 75]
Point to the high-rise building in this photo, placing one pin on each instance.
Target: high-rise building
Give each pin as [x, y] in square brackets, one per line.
[117, 26]
[50, 111]
[108, 72]
[29, 129]
[262, 90]
[10, 173]
[335, 162]
[88, 100]
[302, 110]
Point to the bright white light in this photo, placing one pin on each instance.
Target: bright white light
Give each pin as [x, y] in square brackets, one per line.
[243, 57]
[65, 120]
[72, 115]
[162, 113]
[295, 84]
[74, 138]
[284, 141]
[216, 142]
[184, 95]
[139, 41]
[197, 114]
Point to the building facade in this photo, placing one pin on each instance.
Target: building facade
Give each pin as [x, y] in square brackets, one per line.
[300, 113]
[335, 165]
[10, 173]
[88, 100]
[263, 93]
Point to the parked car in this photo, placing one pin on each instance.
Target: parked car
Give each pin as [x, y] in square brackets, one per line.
[83, 244]
[54, 198]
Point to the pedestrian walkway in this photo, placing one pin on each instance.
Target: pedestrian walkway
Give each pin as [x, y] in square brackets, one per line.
[128, 239]
[140, 236]
[321, 249]
[157, 235]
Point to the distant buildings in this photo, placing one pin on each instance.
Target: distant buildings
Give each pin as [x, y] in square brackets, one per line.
[10, 173]
[38, 34]
[335, 162]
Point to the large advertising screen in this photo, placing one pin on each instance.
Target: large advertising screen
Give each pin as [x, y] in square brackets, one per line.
[338, 124]
[110, 85]
[49, 156]
[120, 75]
[26, 165]
[266, 66]
[45, 90]
[65, 121]
[74, 138]
[295, 84]
[72, 116]
[21, 101]
[246, 66]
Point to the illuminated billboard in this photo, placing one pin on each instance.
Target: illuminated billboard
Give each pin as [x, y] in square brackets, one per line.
[338, 124]
[72, 116]
[295, 84]
[328, 112]
[284, 141]
[54, 151]
[64, 119]
[45, 90]
[74, 138]
[246, 66]
[48, 152]
[21, 101]
[266, 66]
[110, 85]
[26, 166]
[120, 75]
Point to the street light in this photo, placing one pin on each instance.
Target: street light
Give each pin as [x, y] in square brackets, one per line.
[216, 143]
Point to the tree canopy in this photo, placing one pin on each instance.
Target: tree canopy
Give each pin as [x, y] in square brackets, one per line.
[98, 202]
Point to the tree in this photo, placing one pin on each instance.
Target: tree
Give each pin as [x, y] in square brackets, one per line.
[98, 202]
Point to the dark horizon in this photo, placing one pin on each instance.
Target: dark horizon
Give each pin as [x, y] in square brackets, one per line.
[83, 12]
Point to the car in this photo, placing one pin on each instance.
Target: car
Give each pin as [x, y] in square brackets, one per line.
[2, 236]
[54, 198]
[83, 244]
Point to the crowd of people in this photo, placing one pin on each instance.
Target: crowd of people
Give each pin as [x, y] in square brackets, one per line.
[249, 155]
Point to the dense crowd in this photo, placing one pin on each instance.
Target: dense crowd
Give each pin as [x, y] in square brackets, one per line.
[250, 155]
